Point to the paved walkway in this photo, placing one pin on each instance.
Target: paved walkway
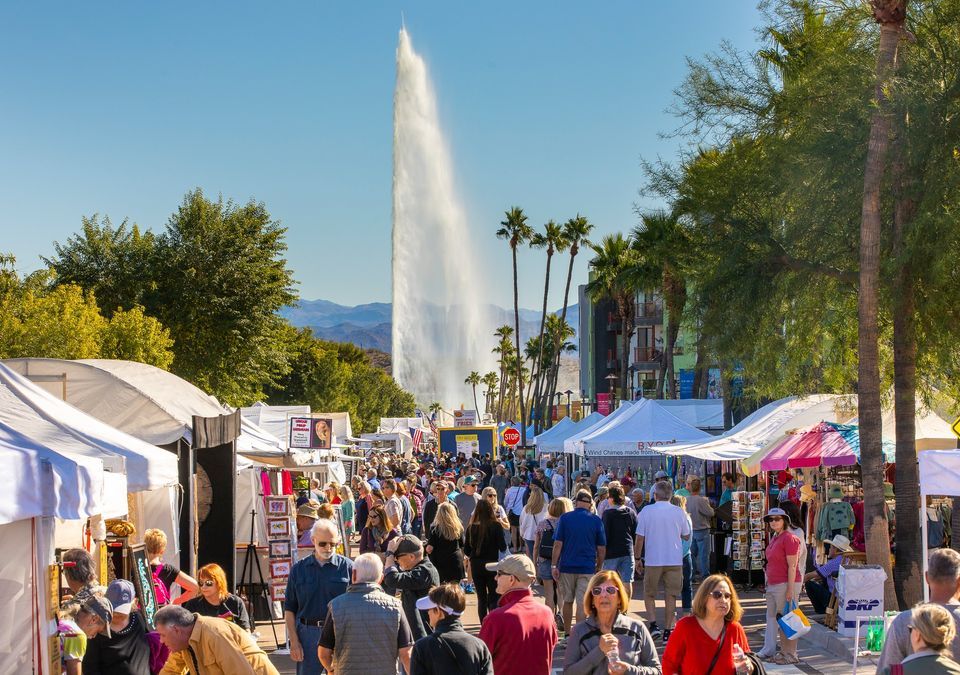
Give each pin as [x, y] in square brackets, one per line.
[813, 660]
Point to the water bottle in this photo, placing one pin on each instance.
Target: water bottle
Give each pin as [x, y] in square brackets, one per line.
[739, 660]
[613, 656]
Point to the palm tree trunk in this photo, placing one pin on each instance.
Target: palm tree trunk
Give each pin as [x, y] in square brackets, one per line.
[907, 573]
[625, 341]
[516, 319]
[476, 406]
[868, 382]
[537, 372]
[563, 320]
[503, 384]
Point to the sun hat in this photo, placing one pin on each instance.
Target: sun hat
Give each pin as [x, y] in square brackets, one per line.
[516, 565]
[840, 542]
[777, 513]
[308, 511]
[425, 603]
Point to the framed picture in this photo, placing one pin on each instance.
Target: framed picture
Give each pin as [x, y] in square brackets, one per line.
[280, 549]
[278, 506]
[342, 547]
[278, 527]
[280, 568]
[143, 583]
[278, 592]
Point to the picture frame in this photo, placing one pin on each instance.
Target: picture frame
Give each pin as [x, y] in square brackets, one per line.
[280, 548]
[278, 592]
[143, 583]
[278, 506]
[278, 527]
[280, 569]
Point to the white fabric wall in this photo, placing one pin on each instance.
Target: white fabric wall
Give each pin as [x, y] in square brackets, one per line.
[247, 499]
[159, 509]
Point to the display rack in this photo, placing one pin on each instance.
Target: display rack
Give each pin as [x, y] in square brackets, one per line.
[747, 546]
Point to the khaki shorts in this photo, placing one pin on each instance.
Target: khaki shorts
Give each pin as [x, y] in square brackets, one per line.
[671, 575]
[573, 586]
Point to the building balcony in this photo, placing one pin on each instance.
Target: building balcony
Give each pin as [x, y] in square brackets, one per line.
[646, 356]
[649, 313]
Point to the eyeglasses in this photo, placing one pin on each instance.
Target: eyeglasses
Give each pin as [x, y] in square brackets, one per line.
[720, 595]
[324, 544]
[774, 518]
[207, 583]
[609, 590]
[503, 574]
[491, 496]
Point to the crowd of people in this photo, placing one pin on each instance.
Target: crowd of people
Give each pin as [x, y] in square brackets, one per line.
[432, 531]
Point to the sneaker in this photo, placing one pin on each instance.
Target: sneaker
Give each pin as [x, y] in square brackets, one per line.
[558, 619]
[655, 631]
[666, 635]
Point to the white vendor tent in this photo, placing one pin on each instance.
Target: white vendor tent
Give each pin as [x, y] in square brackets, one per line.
[763, 428]
[400, 439]
[932, 431]
[273, 418]
[391, 425]
[702, 413]
[571, 444]
[552, 439]
[939, 476]
[560, 430]
[644, 427]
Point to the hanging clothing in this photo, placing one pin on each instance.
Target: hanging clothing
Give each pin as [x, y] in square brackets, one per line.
[835, 518]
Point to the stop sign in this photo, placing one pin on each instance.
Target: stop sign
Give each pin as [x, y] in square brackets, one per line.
[511, 436]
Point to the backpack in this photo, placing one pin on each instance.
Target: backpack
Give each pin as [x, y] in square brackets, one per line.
[159, 588]
[546, 543]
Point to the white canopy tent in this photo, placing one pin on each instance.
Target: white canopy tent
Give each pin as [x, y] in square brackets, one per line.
[571, 444]
[763, 428]
[932, 431]
[273, 418]
[702, 413]
[400, 439]
[559, 431]
[939, 475]
[392, 425]
[643, 429]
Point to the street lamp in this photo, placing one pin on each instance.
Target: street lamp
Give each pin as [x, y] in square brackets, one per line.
[611, 379]
[569, 393]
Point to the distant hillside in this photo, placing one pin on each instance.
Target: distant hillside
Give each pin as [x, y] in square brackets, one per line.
[369, 326]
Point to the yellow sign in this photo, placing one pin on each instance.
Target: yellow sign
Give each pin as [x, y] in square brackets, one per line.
[956, 427]
[468, 444]
[103, 564]
[53, 599]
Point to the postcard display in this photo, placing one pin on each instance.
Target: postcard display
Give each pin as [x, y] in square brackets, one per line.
[748, 536]
[281, 532]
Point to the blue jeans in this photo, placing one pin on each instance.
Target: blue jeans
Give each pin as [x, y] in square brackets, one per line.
[624, 566]
[309, 640]
[700, 550]
[530, 543]
[686, 593]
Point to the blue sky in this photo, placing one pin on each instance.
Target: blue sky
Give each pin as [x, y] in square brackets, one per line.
[121, 108]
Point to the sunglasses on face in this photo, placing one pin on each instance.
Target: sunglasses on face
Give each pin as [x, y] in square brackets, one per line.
[774, 519]
[324, 544]
[609, 590]
[720, 595]
[207, 583]
[503, 574]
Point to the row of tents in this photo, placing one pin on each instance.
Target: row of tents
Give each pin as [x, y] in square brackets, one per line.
[101, 439]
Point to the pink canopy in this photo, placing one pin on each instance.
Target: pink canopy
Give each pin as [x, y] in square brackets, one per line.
[822, 443]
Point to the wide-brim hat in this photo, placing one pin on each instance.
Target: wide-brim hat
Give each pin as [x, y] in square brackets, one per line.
[840, 542]
[308, 511]
[777, 512]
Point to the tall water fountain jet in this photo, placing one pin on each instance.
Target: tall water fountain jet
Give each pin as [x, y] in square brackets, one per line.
[439, 332]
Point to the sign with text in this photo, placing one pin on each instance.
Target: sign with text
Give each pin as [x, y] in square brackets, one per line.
[511, 436]
[604, 404]
[468, 444]
[311, 433]
[464, 418]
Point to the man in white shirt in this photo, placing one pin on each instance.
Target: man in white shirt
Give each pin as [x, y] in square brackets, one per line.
[661, 529]
[559, 481]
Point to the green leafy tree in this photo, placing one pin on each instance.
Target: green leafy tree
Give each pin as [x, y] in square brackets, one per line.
[221, 278]
[131, 335]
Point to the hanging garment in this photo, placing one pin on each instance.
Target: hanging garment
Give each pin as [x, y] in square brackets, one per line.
[834, 516]
[935, 528]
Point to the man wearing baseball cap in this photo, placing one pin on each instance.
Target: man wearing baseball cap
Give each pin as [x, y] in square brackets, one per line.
[126, 650]
[521, 633]
[820, 583]
[409, 572]
[449, 649]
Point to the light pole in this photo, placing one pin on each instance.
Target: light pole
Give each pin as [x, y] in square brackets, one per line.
[569, 393]
[611, 379]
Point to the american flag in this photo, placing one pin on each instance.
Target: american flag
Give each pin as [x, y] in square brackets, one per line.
[417, 436]
[433, 425]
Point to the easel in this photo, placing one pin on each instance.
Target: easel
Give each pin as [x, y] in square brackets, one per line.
[251, 589]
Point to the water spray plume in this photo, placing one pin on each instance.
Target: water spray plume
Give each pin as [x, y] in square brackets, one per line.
[439, 333]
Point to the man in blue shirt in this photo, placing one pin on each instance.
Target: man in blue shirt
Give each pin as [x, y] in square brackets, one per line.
[312, 584]
[729, 486]
[579, 547]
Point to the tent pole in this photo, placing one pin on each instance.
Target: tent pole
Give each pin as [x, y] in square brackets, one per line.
[923, 531]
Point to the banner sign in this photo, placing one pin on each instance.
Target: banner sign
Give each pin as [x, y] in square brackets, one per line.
[311, 433]
[464, 418]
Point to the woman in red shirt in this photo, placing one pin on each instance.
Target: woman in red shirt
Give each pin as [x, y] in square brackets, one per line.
[710, 631]
[784, 579]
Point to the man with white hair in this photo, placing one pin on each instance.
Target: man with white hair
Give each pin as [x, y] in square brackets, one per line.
[366, 630]
[661, 530]
[313, 582]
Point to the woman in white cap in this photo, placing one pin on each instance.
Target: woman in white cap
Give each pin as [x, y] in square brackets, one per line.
[820, 583]
[783, 585]
[449, 649]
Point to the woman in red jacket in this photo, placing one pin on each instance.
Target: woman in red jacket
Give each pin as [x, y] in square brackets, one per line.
[709, 635]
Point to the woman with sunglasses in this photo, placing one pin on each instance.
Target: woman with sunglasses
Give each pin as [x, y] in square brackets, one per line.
[379, 532]
[706, 640]
[215, 598]
[609, 640]
[784, 578]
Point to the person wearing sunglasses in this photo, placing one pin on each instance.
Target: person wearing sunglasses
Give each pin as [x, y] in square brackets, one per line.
[704, 643]
[609, 640]
[784, 581]
[215, 598]
[313, 582]
[520, 633]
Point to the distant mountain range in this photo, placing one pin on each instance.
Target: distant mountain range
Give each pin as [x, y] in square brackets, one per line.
[369, 325]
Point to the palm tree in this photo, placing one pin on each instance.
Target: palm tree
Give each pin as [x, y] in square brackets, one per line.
[473, 379]
[504, 348]
[516, 231]
[663, 244]
[553, 240]
[491, 381]
[575, 233]
[612, 268]
[890, 14]
[435, 410]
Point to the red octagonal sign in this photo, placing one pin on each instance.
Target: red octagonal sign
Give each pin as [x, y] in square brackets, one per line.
[511, 436]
